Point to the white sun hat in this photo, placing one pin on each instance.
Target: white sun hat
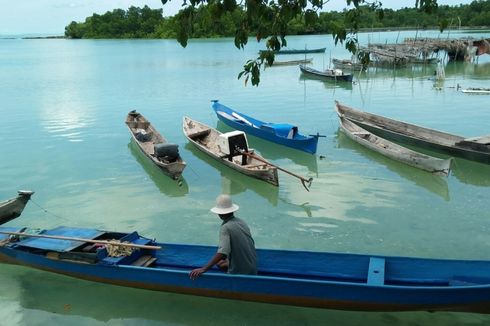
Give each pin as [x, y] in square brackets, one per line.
[224, 205]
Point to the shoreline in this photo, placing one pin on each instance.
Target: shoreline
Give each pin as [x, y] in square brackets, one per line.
[361, 30]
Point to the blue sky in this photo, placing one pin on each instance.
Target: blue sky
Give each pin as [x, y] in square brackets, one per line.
[51, 16]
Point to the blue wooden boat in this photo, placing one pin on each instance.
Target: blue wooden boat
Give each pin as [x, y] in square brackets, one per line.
[296, 51]
[301, 278]
[279, 133]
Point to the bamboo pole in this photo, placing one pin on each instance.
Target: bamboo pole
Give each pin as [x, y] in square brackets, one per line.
[305, 182]
[59, 237]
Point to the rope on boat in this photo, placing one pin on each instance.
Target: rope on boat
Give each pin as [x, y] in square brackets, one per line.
[48, 212]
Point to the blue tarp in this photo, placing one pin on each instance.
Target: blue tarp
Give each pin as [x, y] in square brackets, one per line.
[282, 129]
[60, 245]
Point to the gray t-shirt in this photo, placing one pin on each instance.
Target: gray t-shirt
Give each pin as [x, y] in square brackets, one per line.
[236, 242]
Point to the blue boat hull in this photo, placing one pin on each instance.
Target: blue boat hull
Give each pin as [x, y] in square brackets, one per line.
[264, 130]
[300, 278]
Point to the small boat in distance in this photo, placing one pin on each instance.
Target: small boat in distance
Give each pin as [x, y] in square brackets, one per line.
[359, 282]
[394, 151]
[297, 51]
[329, 74]
[279, 133]
[475, 148]
[12, 208]
[155, 146]
[229, 148]
[474, 90]
[291, 62]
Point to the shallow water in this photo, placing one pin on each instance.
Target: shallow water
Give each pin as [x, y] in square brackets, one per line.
[63, 135]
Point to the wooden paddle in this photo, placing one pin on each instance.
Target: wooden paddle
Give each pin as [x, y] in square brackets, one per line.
[58, 237]
[305, 182]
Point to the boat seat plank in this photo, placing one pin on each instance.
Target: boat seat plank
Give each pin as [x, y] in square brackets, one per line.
[144, 261]
[485, 140]
[361, 133]
[199, 134]
[376, 272]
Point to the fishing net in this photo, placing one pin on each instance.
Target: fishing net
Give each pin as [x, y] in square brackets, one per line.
[115, 249]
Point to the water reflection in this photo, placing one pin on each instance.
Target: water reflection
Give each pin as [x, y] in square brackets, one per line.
[234, 182]
[451, 69]
[435, 184]
[164, 183]
[470, 172]
[275, 151]
[328, 84]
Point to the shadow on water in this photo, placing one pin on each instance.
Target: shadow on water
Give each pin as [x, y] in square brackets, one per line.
[433, 183]
[328, 84]
[166, 185]
[274, 151]
[234, 182]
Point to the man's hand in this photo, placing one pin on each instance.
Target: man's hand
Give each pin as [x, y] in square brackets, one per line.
[195, 273]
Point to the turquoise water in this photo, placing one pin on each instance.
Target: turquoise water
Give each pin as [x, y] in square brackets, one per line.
[63, 105]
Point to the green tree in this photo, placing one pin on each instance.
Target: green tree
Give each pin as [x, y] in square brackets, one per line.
[269, 20]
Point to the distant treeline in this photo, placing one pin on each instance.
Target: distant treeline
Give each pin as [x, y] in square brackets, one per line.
[150, 23]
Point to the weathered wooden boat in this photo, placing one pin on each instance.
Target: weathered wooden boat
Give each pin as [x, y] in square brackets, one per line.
[300, 278]
[155, 146]
[12, 208]
[297, 51]
[291, 62]
[476, 90]
[228, 148]
[329, 74]
[279, 133]
[394, 151]
[346, 64]
[476, 148]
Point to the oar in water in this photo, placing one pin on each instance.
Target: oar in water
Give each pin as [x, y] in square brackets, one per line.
[59, 237]
[305, 182]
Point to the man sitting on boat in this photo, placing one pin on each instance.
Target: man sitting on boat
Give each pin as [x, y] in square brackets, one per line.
[236, 251]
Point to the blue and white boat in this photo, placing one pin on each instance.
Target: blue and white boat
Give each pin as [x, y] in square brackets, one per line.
[279, 133]
[300, 278]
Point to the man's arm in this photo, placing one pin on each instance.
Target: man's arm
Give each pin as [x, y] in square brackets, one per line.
[198, 271]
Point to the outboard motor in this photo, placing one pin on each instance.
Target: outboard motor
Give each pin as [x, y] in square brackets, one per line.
[168, 152]
[233, 143]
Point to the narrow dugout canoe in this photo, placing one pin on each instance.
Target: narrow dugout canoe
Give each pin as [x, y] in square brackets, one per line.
[206, 139]
[475, 148]
[155, 146]
[394, 151]
[291, 62]
[297, 51]
[12, 208]
[329, 74]
[300, 278]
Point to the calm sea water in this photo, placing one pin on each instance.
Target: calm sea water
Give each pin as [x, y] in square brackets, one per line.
[63, 105]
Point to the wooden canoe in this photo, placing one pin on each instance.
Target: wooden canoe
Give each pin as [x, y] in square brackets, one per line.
[291, 62]
[205, 139]
[12, 208]
[345, 281]
[394, 151]
[148, 139]
[476, 90]
[475, 149]
[329, 74]
[297, 51]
